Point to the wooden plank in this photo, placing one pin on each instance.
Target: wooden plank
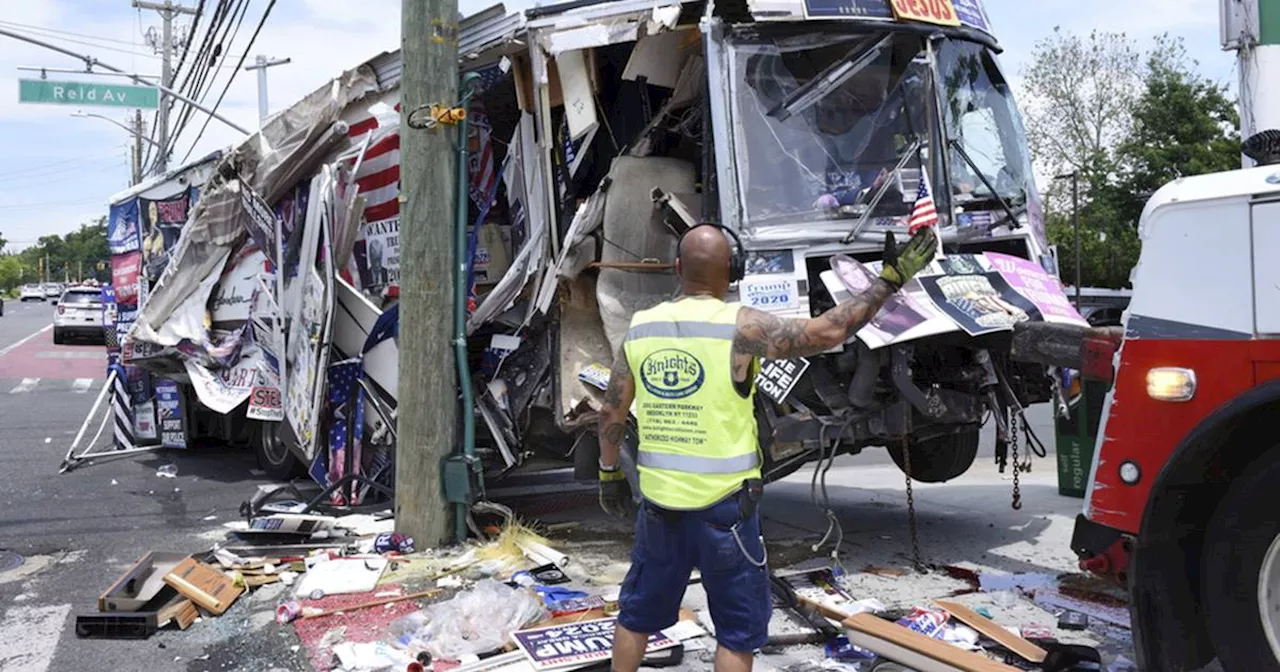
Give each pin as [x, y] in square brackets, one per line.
[911, 648]
[207, 587]
[1026, 650]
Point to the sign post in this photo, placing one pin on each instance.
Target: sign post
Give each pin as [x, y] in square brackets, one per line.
[51, 92]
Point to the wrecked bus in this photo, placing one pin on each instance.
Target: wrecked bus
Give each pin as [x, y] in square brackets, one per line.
[599, 132]
[810, 130]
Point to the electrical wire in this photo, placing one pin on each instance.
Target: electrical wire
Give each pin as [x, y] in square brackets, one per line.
[201, 65]
[29, 27]
[252, 38]
[87, 44]
[203, 82]
[147, 160]
[46, 204]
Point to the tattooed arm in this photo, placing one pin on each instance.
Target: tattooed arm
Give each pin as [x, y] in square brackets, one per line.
[613, 416]
[761, 334]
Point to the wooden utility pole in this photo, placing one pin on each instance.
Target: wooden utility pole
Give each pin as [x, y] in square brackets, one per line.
[427, 424]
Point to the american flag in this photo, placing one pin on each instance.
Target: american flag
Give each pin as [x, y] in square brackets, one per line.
[922, 213]
[481, 164]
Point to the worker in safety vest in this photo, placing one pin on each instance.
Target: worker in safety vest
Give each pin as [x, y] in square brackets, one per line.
[689, 364]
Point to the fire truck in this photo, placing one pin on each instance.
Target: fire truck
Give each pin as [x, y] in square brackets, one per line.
[1184, 489]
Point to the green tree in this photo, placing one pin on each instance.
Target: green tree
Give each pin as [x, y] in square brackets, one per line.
[1179, 124]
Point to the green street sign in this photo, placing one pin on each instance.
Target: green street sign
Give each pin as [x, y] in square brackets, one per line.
[82, 93]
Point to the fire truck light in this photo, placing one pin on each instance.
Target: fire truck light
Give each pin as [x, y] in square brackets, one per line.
[1169, 383]
[1130, 473]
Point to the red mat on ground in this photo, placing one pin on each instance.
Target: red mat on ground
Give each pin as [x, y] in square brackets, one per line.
[363, 625]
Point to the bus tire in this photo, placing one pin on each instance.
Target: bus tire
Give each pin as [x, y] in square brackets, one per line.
[274, 455]
[940, 458]
[1242, 536]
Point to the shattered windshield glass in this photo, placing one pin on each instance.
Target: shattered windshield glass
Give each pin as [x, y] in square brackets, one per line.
[982, 119]
[825, 119]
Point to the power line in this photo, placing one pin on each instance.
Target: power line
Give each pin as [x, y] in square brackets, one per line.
[203, 64]
[85, 43]
[205, 81]
[45, 204]
[28, 26]
[46, 174]
[252, 38]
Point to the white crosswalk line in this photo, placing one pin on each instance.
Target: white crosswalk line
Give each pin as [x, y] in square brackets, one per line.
[25, 385]
[29, 636]
[82, 385]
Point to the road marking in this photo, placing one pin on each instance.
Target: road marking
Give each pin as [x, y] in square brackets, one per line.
[82, 385]
[7, 349]
[25, 385]
[29, 637]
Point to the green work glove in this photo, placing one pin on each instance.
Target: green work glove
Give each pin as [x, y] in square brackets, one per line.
[615, 492]
[902, 263]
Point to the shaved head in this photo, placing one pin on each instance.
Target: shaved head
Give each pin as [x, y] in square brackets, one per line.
[704, 261]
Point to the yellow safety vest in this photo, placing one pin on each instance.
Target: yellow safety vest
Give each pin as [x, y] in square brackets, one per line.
[698, 438]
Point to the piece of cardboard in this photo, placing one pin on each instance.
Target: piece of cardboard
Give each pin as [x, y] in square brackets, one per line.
[659, 58]
[913, 649]
[210, 589]
[179, 610]
[1026, 650]
[143, 581]
[579, 101]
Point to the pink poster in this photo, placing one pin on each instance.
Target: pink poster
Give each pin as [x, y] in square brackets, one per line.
[125, 269]
[1031, 281]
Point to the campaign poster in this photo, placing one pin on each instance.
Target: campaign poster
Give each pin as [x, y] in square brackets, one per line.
[262, 222]
[377, 254]
[169, 410]
[971, 13]
[899, 313]
[125, 270]
[980, 301]
[161, 225]
[144, 422]
[778, 377]
[1032, 281]
[574, 645]
[122, 228]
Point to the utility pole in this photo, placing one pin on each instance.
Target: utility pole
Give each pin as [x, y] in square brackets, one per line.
[429, 400]
[137, 147]
[167, 10]
[261, 63]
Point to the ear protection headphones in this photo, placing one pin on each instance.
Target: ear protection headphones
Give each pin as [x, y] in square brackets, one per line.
[737, 258]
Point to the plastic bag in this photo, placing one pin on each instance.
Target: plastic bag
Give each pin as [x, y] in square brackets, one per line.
[478, 621]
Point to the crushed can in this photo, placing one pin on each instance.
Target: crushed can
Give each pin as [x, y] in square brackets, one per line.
[926, 622]
[393, 541]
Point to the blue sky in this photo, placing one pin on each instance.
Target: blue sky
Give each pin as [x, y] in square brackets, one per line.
[61, 170]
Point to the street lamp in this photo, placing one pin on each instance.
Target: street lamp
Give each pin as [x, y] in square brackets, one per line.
[1075, 221]
[130, 130]
[137, 134]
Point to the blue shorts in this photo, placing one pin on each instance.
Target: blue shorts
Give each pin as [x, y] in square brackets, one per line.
[669, 546]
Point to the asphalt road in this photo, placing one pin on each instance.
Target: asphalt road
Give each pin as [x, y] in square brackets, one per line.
[78, 532]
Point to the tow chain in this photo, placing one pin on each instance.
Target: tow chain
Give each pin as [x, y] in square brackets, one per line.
[1017, 466]
[911, 510]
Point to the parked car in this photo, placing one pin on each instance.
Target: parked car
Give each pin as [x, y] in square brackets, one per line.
[79, 314]
[32, 292]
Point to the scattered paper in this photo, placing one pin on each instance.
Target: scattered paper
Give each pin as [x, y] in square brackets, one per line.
[683, 630]
[342, 576]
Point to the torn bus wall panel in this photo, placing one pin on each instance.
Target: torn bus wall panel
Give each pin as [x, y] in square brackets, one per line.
[272, 161]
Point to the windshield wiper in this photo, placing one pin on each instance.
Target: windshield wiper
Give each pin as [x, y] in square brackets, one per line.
[911, 152]
[832, 76]
[1004, 203]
